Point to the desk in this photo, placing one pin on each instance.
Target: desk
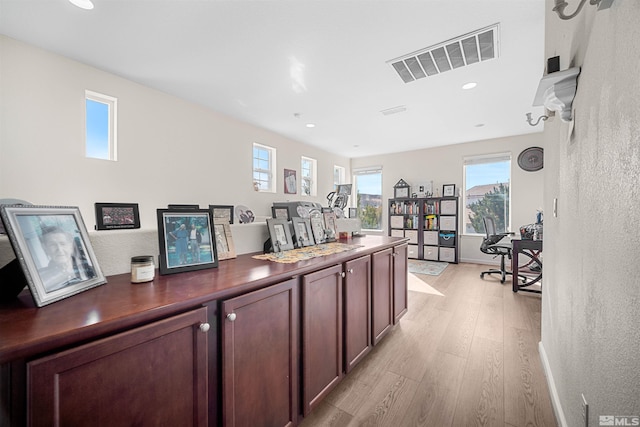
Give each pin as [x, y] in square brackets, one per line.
[530, 248]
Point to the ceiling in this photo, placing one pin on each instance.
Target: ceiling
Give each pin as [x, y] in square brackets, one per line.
[282, 64]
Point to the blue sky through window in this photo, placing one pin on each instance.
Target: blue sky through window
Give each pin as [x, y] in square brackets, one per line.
[370, 183]
[97, 131]
[487, 173]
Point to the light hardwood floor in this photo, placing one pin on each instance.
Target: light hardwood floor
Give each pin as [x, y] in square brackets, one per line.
[468, 358]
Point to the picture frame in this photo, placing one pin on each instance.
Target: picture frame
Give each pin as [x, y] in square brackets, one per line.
[280, 213]
[330, 227]
[53, 248]
[290, 182]
[280, 234]
[317, 226]
[113, 216]
[186, 240]
[222, 214]
[303, 234]
[225, 247]
[353, 212]
[448, 190]
[183, 206]
[401, 189]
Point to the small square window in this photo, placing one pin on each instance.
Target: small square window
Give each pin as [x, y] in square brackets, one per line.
[264, 161]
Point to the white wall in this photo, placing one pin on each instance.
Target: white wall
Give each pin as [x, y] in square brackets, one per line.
[444, 165]
[169, 150]
[591, 300]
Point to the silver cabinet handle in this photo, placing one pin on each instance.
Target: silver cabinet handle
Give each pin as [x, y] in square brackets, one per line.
[351, 270]
[231, 317]
[343, 274]
[204, 327]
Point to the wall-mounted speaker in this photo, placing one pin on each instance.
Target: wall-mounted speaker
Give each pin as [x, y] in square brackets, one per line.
[531, 159]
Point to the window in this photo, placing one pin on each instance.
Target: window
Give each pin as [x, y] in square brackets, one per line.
[100, 126]
[368, 185]
[264, 166]
[487, 188]
[338, 175]
[309, 175]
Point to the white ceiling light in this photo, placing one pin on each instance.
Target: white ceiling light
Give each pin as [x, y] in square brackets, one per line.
[310, 125]
[469, 85]
[83, 4]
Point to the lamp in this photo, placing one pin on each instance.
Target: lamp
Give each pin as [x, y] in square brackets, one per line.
[556, 92]
[561, 5]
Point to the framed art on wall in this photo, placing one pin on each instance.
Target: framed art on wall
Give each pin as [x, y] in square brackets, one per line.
[448, 190]
[54, 251]
[186, 240]
[111, 216]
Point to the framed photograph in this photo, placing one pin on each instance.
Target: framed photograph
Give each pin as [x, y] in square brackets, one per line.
[448, 190]
[110, 216]
[186, 240]
[280, 213]
[280, 234]
[54, 250]
[353, 212]
[290, 182]
[330, 228]
[224, 241]
[183, 206]
[222, 213]
[401, 189]
[302, 231]
[317, 226]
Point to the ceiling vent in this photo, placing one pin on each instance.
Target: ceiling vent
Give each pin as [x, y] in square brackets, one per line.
[477, 46]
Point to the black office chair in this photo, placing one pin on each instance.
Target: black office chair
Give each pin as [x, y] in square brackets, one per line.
[490, 246]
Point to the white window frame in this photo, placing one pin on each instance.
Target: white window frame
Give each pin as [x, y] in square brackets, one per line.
[310, 178]
[112, 104]
[367, 171]
[339, 175]
[483, 159]
[270, 171]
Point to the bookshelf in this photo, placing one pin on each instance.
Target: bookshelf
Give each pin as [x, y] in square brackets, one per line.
[430, 224]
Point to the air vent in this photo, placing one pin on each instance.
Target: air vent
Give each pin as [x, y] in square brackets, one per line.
[480, 45]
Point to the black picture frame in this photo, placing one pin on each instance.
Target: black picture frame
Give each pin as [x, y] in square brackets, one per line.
[183, 206]
[176, 240]
[448, 190]
[353, 212]
[53, 249]
[280, 233]
[280, 212]
[116, 216]
[221, 213]
[303, 234]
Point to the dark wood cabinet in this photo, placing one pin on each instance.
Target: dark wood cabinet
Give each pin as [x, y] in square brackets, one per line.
[357, 311]
[321, 334]
[381, 294]
[400, 290]
[152, 375]
[260, 357]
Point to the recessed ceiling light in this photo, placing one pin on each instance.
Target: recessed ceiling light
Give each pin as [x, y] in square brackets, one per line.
[83, 4]
[479, 125]
[469, 85]
[310, 125]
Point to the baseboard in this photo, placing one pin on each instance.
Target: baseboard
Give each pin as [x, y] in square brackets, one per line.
[553, 392]
[480, 261]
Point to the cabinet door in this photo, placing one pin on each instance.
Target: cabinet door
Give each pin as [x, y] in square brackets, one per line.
[399, 282]
[357, 311]
[322, 334]
[260, 357]
[381, 294]
[153, 375]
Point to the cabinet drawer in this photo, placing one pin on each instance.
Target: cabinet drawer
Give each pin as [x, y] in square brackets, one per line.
[412, 251]
[448, 207]
[430, 237]
[448, 254]
[448, 223]
[431, 253]
[396, 221]
[412, 235]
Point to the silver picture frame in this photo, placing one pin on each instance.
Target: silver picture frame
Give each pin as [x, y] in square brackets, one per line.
[53, 248]
[280, 233]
